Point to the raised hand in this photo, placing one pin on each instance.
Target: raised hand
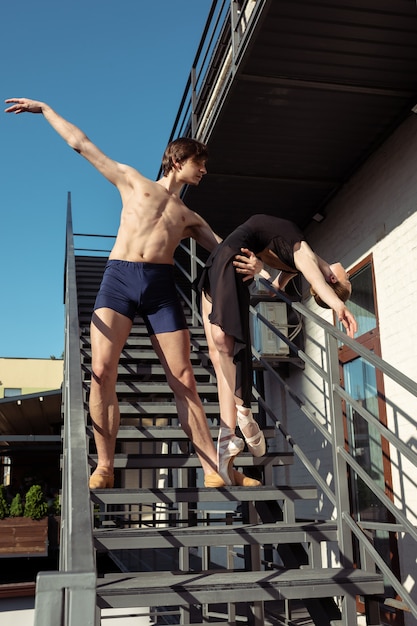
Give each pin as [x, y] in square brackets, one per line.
[23, 105]
[348, 321]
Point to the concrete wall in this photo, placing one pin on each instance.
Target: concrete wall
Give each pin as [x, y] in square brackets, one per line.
[30, 375]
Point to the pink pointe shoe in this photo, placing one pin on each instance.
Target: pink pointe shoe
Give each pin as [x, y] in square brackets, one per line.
[256, 443]
[227, 449]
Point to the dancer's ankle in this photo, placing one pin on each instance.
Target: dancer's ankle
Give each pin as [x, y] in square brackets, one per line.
[103, 470]
[244, 415]
[225, 433]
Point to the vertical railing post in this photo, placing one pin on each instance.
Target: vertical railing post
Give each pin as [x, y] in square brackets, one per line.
[234, 35]
[193, 88]
[193, 274]
[340, 475]
[340, 467]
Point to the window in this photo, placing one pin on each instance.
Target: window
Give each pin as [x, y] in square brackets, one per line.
[362, 301]
[9, 392]
[364, 383]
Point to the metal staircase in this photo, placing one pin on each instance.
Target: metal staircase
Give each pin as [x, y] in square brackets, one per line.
[140, 519]
[162, 546]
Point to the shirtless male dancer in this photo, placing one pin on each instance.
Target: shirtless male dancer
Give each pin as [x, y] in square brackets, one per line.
[153, 222]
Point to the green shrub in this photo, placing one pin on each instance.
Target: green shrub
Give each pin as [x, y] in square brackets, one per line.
[4, 507]
[35, 504]
[16, 506]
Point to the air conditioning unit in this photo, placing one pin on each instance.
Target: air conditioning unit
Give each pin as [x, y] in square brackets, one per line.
[265, 341]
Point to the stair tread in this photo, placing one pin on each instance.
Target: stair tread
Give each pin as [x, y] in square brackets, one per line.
[173, 495]
[169, 408]
[156, 461]
[146, 409]
[159, 387]
[149, 588]
[132, 354]
[132, 369]
[218, 535]
[164, 433]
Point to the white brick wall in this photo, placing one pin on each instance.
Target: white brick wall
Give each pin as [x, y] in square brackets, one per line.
[375, 212]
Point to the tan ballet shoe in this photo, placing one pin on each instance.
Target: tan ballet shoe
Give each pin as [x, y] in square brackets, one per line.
[214, 480]
[244, 481]
[101, 481]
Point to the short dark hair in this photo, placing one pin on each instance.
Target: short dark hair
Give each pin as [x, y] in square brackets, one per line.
[182, 149]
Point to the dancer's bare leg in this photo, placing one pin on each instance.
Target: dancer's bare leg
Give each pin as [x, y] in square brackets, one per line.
[109, 332]
[225, 371]
[173, 350]
[221, 348]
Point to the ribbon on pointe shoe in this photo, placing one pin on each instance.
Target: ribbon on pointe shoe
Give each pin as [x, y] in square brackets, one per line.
[228, 446]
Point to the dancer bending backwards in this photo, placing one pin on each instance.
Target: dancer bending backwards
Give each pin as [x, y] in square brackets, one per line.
[225, 306]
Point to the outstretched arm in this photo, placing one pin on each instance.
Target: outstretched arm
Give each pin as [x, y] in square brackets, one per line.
[75, 138]
[308, 264]
[202, 233]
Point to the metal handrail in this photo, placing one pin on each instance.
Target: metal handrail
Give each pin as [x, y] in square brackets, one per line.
[68, 597]
[339, 495]
[225, 36]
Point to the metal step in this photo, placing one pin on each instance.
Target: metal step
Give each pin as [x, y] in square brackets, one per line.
[132, 354]
[137, 387]
[137, 370]
[216, 535]
[166, 433]
[172, 461]
[148, 409]
[178, 588]
[143, 340]
[173, 495]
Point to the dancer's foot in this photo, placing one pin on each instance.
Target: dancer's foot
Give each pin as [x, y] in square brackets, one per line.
[244, 481]
[101, 479]
[253, 435]
[214, 480]
[227, 449]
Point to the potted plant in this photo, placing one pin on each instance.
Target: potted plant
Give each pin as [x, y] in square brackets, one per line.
[16, 506]
[35, 504]
[24, 527]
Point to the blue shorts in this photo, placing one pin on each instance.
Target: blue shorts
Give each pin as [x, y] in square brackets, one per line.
[147, 289]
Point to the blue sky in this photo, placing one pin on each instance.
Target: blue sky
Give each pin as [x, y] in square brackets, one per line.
[115, 69]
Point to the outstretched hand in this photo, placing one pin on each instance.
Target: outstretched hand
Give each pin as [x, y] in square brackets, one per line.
[23, 105]
[348, 321]
[247, 263]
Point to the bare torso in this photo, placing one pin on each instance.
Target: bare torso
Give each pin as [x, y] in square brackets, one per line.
[153, 222]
